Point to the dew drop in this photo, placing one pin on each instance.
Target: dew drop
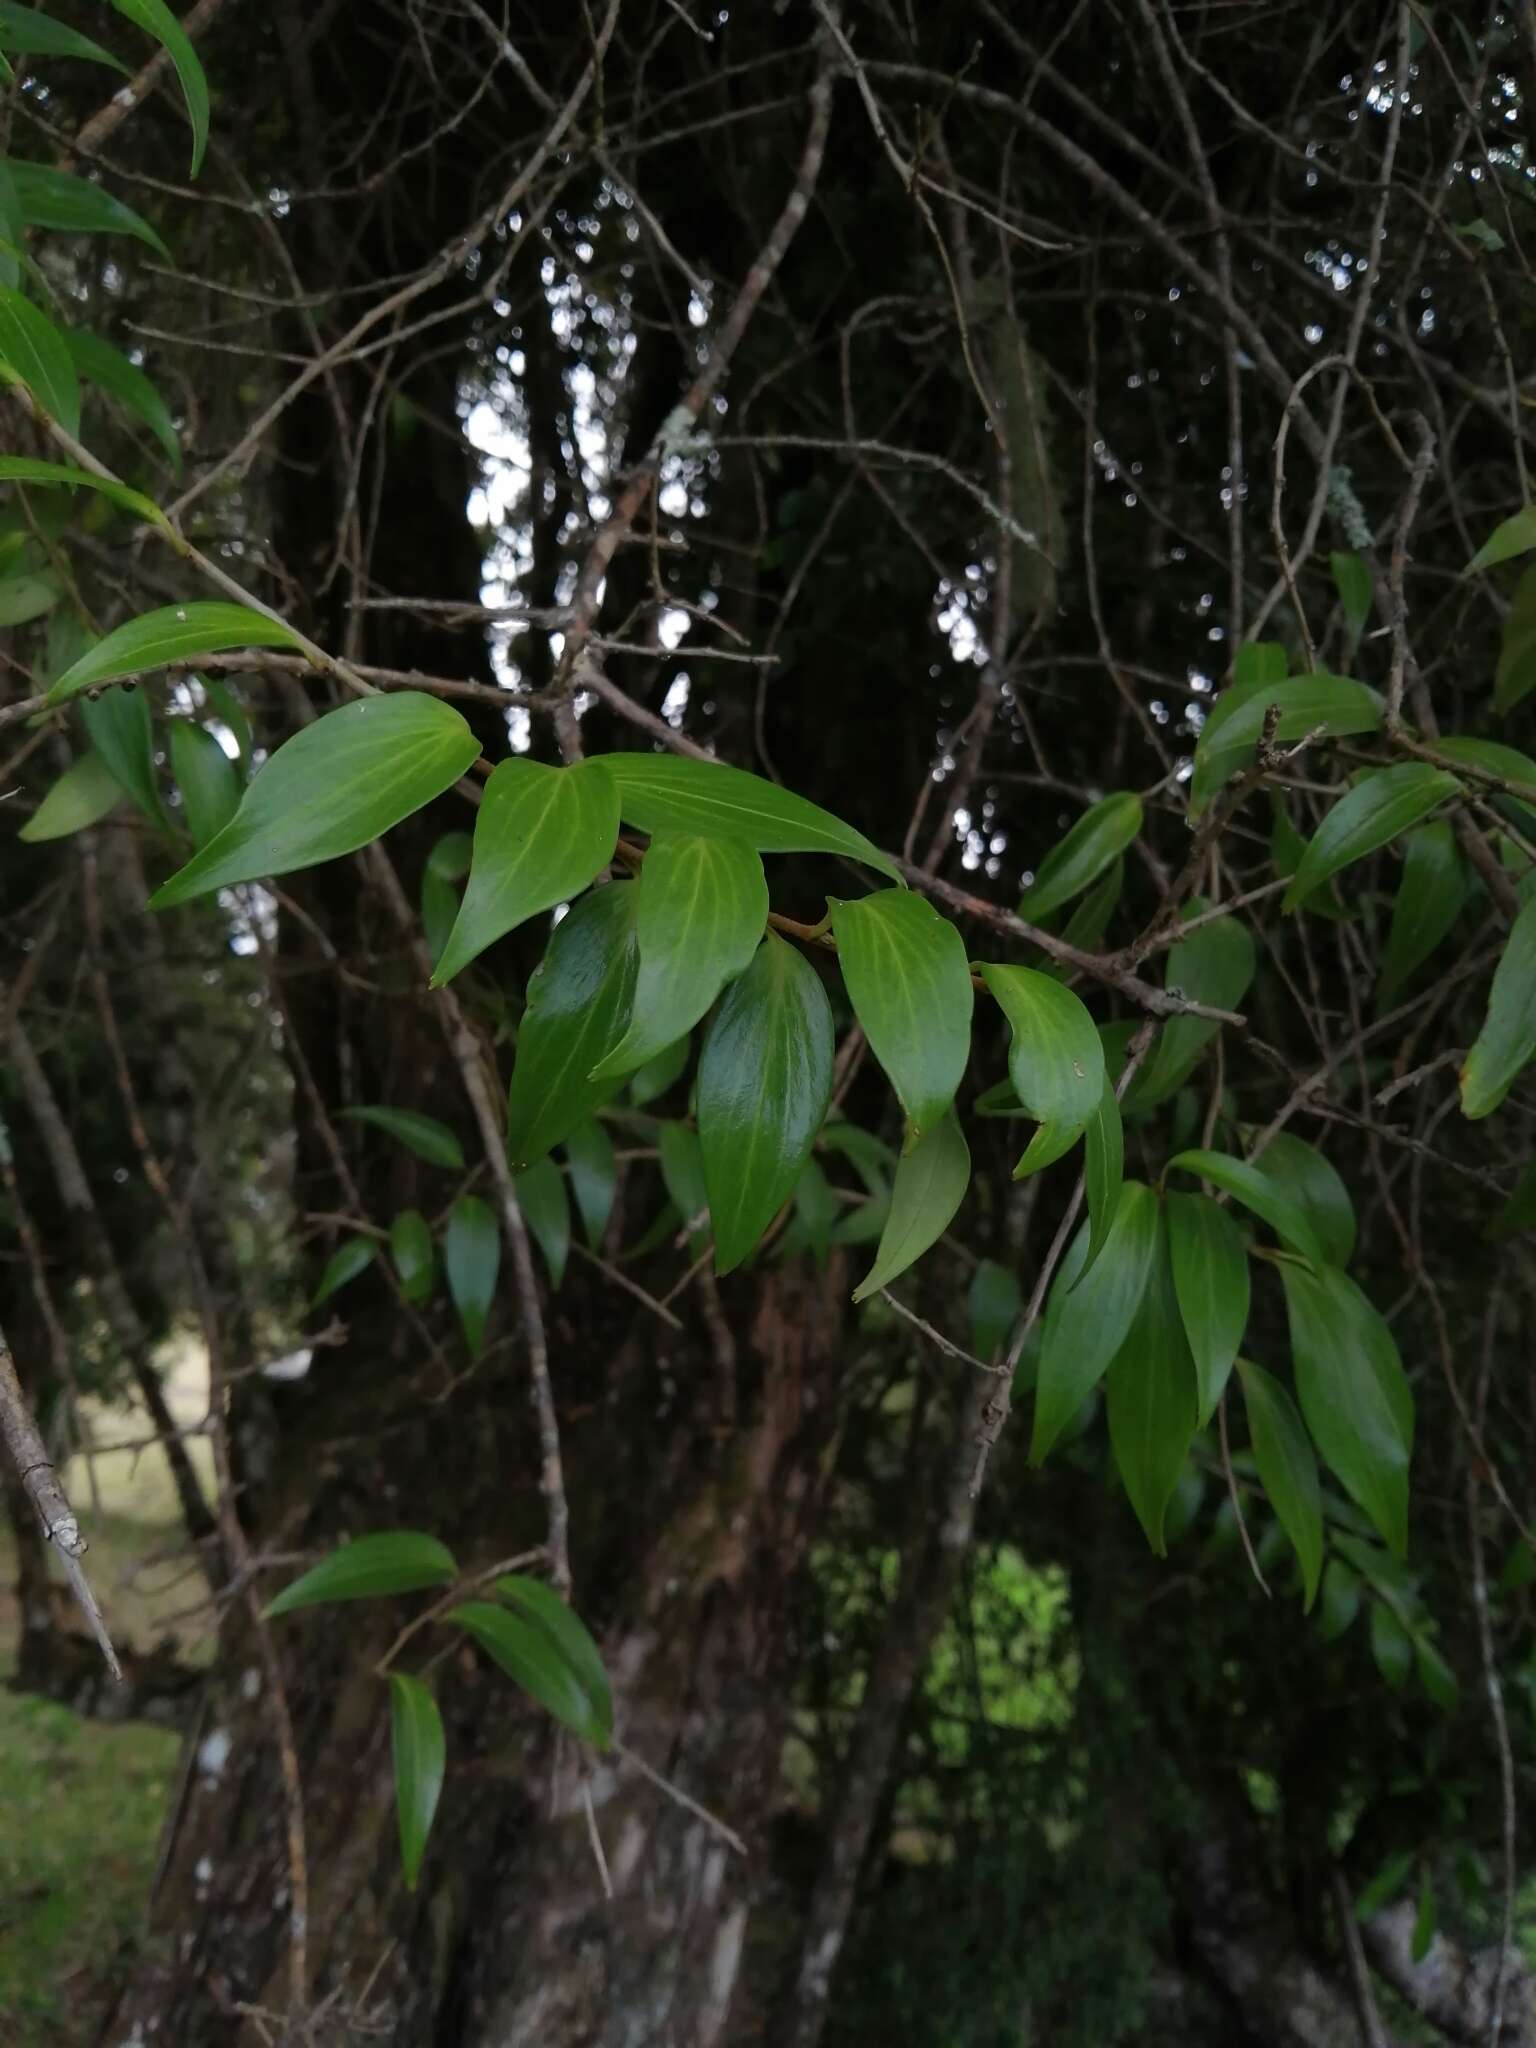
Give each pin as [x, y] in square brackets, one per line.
[181, 614]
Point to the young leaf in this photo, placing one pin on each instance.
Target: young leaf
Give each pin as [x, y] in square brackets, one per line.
[205, 775]
[929, 1187]
[579, 1000]
[180, 633]
[1098, 838]
[410, 1242]
[1349, 1381]
[1211, 1284]
[33, 352]
[1514, 536]
[369, 1568]
[333, 787]
[25, 32]
[547, 1211]
[703, 908]
[993, 1304]
[1515, 676]
[22, 469]
[421, 1755]
[541, 837]
[1340, 1601]
[1214, 965]
[110, 371]
[1103, 1170]
[1151, 1400]
[472, 1260]
[529, 1654]
[542, 1607]
[1288, 1469]
[1508, 1037]
[1251, 1186]
[1391, 1645]
[83, 795]
[1428, 903]
[907, 977]
[1301, 1172]
[1331, 705]
[589, 1149]
[670, 793]
[74, 206]
[423, 1135]
[1055, 1054]
[1085, 1329]
[157, 19]
[764, 1078]
[352, 1256]
[118, 727]
[1372, 814]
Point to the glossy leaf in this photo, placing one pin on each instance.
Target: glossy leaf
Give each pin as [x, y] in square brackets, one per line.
[594, 1177]
[1214, 964]
[529, 1654]
[1287, 1466]
[157, 19]
[111, 371]
[423, 1135]
[671, 793]
[334, 786]
[410, 1243]
[1151, 1400]
[1341, 1599]
[1513, 536]
[83, 795]
[1372, 815]
[22, 469]
[1391, 1645]
[1353, 1395]
[541, 836]
[178, 634]
[26, 32]
[35, 353]
[1508, 1037]
[1515, 676]
[1429, 900]
[658, 1074]
[1230, 736]
[1085, 1328]
[1301, 1172]
[1094, 843]
[472, 1260]
[75, 206]
[765, 1074]
[929, 1187]
[1211, 1284]
[420, 1755]
[1055, 1054]
[118, 727]
[541, 1606]
[1103, 1170]
[370, 1568]
[579, 1000]
[703, 909]
[547, 1211]
[910, 986]
[993, 1304]
[1256, 1191]
[352, 1256]
[206, 777]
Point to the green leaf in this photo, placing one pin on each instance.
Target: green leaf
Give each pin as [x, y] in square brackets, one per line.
[178, 634]
[1385, 1885]
[1085, 1330]
[541, 837]
[423, 1135]
[671, 793]
[227, 708]
[594, 1176]
[870, 1157]
[1256, 1191]
[547, 1211]
[447, 863]
[529, 1654]
[1435, 1675]
[1301, 1172]
[1231, 733]
[815, 1216]
[25, 32]
[13, 229]
[1341, 1600]
[541, 1607]
[1352, 580]
[206, 777]
[702, 911]
[1356, 1401]
[352, 1256]
[994, 1304]
[74, 206]
[22, 469]
[1088, 922]
[1050, 1143]
[1213, 965]
[1518, 1213]
[682, 1171]
[33, 351]
[1391, 1645]
[111, 371]
[1103, 1169]
[1287, 1467]
[1094, 843]
[370, 1568]
[472, 1260]
[1513, 536]
[1494, 758]
[579, 1001]
[658, 1074]
[1209, 1256]
[1372, 815]
[83, 795]
[910, 986]
[410, 1242]
[1259, 661]
[1151, 1399]
[28, 596]
[1055, 1055]
[929, 1187]
[157, 19]
[118, 727]
[765, 1075]
[1515, 676]
[334, 786]
[1424, 1919]
[1429, 900]
[1508, 1037]
[421, 1756]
